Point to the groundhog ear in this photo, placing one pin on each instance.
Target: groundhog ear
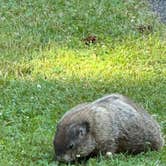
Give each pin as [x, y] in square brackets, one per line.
[84, 128]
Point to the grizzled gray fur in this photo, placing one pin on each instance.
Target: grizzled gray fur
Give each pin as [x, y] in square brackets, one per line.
[111, 124]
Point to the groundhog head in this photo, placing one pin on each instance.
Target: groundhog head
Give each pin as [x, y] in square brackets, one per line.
[73, 141]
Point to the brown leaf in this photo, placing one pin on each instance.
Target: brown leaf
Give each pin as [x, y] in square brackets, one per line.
[90, 39]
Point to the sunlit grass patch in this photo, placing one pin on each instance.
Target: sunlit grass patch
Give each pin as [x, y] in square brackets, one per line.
[135, 58]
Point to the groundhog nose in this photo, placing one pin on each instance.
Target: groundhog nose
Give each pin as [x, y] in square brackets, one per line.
[64, 158]
[58, 158]
[59, 149]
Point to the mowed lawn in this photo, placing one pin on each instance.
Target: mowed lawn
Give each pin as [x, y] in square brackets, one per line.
[46, 68]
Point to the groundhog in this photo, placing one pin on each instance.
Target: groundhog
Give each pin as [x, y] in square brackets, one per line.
[111, 124]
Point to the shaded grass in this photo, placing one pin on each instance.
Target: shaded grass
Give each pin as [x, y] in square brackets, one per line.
[45, 69]
[29, 115]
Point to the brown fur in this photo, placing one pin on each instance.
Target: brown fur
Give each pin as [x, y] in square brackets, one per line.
[110, 124]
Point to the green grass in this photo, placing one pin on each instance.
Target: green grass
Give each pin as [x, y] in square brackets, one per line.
[46, 68]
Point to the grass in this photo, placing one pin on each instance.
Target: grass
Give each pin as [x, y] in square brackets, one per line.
[46, 68]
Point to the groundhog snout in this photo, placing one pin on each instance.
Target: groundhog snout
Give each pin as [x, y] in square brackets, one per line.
[60, 154]
[59, 150]
[59, 158]
[63, 158]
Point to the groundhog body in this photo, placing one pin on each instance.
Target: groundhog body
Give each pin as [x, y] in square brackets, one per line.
[110, 124]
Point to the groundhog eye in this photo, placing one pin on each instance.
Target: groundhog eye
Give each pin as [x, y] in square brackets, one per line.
[81, 132]
[71, 146]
